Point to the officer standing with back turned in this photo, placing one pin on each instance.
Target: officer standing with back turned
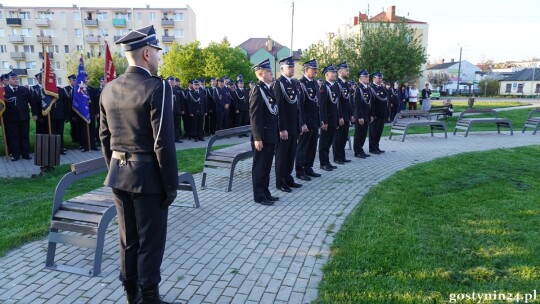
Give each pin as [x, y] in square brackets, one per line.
[137, 135]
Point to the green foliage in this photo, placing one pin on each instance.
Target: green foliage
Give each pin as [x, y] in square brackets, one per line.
[438, 80]
[391, 48]
[94, 66]
[492, 87]
[218, 59]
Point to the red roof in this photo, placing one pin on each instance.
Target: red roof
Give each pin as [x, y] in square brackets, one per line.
[389, 16]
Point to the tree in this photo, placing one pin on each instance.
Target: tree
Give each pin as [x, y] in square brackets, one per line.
[94, 66]
[492, 87]
[439, 79]
[183, 61]
[391, 48]
[222, 59]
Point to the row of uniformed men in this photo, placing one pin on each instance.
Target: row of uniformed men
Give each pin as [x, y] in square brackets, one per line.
[222, 105]
[21, 101]
[287, 114]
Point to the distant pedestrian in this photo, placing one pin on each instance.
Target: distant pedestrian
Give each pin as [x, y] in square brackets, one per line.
[413, 97]
[426, 98]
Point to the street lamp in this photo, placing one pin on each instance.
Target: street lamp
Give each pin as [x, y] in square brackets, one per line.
[459, 69]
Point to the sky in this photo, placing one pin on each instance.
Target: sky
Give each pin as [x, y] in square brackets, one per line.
[497, 30]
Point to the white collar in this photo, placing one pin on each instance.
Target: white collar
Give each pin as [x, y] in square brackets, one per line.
[289, 79]
[342, 79]
[331, 82]
[308, 78]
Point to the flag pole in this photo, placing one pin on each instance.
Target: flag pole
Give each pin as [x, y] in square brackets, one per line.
[88, 135]
[4, 136]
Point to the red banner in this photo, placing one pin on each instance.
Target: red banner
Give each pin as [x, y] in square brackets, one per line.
[2, 101]
[109, 64]
[49, 86]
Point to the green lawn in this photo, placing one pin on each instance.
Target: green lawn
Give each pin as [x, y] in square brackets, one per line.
[460, 106]
[462, 224]
[26, 204]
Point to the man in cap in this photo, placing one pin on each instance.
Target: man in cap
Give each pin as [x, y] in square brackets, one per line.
[329, 116]
[251, 85]
[231, 116]
[222, 105]
[196, 106]
[344, 115]
[210, 119]
[242, 95]
[362, 113]
[307, 141]
[93, 107]
[290, 124]
[178, 108]
[5, 80]
[379, 108]
[263, 112]
[73, 117]
[137, 135]
[17, 118]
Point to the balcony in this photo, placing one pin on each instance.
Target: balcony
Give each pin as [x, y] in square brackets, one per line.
[91, 39]
[167, 39]
[17, 55]
[50, 54]
[119, 22]
[42, 22]
[16, 38]
[91, 22]
[44, 39]
[20, 72]
[167, 22]
[14, 21]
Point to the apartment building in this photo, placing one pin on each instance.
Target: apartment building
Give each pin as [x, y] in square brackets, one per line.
[26, 31]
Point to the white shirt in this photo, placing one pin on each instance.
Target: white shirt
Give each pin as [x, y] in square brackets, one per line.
[413, 95]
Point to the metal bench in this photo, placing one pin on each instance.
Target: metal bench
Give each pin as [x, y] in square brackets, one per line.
[406, 119]
[439, 111]
[466, 123]
[222, 162]
[532, 121]
[83, 220]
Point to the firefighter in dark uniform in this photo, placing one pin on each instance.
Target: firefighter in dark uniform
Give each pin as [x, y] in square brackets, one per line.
[178, 109]
[362, 113]
[329, 116]
[222, 105]
[379, 108]
[344, 114]
[204, 99]
[240, 104]
[93, 107]
[196, 106]
[17, 118]
[137, 135]
[307, 141]
[42, 124]
[210, 119]
[290, 124]
[231, 116]
[73, 117]
[263, 113]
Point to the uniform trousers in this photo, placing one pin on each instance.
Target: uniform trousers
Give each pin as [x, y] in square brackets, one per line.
[197, 126]
[340, 141]
[142, 231]
[306, 151]
[375, 132]
[177, 127]
[242, 118]
[327, 137]
[360, 134]
[285, 155]
[260, 172]
[18, 137]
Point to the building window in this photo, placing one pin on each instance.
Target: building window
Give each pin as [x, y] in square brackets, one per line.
[28, 48]
[178, 16]
[102, 16]
[66, 49]
[57, 65]
[537, 88]
[139, 16]
[3, 49]
[64, 32]
[31, 81]
[129, 17]
[27, 32]
[52, 49]
[1, 15]
[77, 16]
[520, 88]
[104, 32]
[59, 81]
[49, 32]
[31, 65]
[79, 48]
[24, 15]
[508, 88]
[63, 16]
[178, 33]
[46, 15]
[5, 65]
[152, 16]
[2, 32]
[77, 32]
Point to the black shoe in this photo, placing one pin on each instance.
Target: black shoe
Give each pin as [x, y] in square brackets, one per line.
[294, 185]
[27, 157]
[133, 295]
[272, 198]
[359, 155]
[338, 162]
[265, 202]
[84, 150]
[380, 151]
[284, 188]
[195, 140]
[326, 168]
[347, 160]
[375, 152]
[366, 155]
[95, 149]
[152, 296]
[332, 166]
[303, 177]
[178, 141]
[63, 152]
[312, 173]
[201, 139]
[13, 158]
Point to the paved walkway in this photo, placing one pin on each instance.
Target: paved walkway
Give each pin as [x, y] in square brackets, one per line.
[232, 250]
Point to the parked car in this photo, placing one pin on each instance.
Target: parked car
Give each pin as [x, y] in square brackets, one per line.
[435, 94]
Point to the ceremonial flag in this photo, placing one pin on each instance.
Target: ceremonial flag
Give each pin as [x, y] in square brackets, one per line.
[49, 95]
[2, 101]
[109, 64]
[80, 95]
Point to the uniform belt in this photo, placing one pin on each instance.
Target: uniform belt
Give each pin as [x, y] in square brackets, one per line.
[126, 156]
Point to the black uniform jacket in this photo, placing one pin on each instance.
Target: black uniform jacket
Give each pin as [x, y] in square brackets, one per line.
[264, 124]
[290, 117]
[136, 119]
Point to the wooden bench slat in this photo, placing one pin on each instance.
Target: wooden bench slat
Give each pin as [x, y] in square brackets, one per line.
[89, 165]
[217, 164]
[220, 158]
[83, 200]
[74, 227]
[83, 207]
[77, 216]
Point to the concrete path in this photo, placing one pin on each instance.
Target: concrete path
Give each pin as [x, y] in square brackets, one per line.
[232, 250]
